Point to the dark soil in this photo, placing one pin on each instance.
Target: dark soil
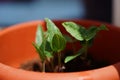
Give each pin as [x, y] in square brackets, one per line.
[72, 66]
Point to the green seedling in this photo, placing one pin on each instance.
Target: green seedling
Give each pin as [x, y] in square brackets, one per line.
[85, 36]
[49, 43]
[52, 42]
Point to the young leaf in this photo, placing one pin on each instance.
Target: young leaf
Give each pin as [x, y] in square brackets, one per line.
[102, 27]
[39, 42]
[55, 37]
[83, 32]
[52, 28]
[69, 58]
[36, 47]
[48, 47]
[58, 43]
[91, 33]
[39, 36]
[73, 29]
[39, 51]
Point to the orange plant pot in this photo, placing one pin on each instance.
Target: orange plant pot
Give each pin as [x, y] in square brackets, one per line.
[16, 48]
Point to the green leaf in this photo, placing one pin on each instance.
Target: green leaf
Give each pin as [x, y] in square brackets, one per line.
[83, 31]
[93, 30]
[39, 36]
[36, 47]
[102, 27]
[73, 29]
[48, 47]
[91, 33]
[58, 43]
[69, 58]
[51, 29]
[39, 51]
[51, 26]
[55, 37]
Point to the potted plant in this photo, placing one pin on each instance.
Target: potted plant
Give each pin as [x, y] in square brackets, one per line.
[23, 34]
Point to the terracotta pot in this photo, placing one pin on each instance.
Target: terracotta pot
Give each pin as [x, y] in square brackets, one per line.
[16, 47]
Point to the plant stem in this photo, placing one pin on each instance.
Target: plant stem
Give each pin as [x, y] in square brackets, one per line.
[43, 66]
[86, 49]
[59, 62]
[52, 64]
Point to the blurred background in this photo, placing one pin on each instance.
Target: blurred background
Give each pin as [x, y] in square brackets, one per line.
[18, 11]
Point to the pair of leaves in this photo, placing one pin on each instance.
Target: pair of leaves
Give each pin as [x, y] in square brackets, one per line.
[46, 43]
[41, 44]
[81, 33]
[55, 37]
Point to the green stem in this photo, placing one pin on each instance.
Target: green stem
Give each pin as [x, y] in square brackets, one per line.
[59, 62]
[86, 49]
[43, 66]
[52, 64]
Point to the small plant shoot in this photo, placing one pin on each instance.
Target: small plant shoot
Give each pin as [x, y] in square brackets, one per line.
[85, 36]
[51, 43]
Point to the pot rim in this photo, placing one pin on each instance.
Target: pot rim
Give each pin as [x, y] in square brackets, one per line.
[105, 73]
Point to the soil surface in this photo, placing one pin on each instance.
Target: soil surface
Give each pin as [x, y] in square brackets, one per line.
[72, 66]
